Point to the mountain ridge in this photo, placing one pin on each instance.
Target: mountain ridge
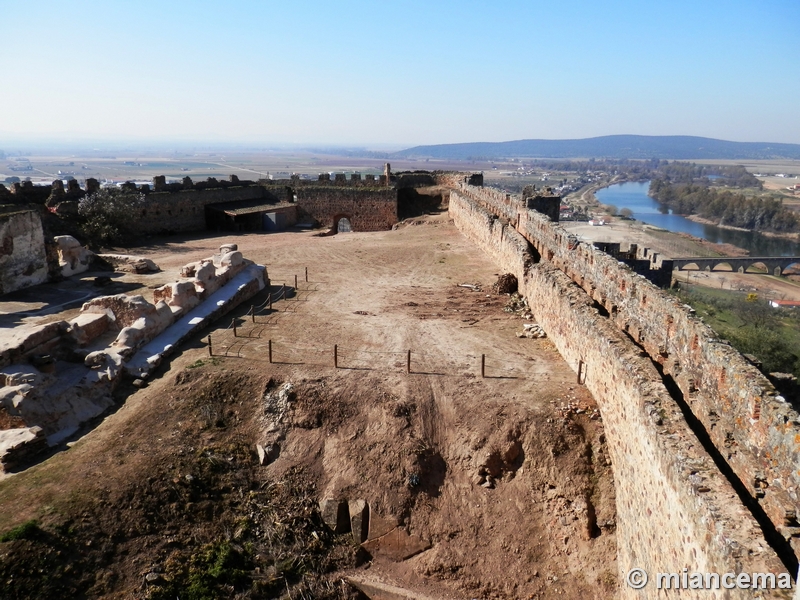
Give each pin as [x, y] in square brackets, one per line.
[679, 147]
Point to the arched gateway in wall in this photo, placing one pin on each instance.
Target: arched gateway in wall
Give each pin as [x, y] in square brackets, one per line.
[342, 223]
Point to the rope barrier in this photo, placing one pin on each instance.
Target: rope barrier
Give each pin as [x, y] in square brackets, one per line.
[371, 351]
[348, 353]
[340, 356]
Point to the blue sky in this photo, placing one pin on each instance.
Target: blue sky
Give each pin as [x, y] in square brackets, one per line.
[399, 73]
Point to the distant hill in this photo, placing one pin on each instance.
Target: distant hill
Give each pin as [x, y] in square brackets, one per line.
[679, 147]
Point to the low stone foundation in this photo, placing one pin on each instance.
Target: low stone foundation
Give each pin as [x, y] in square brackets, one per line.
[56, 377]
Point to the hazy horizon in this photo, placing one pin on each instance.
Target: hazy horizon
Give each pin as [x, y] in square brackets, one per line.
[142, 146]
[377, 76]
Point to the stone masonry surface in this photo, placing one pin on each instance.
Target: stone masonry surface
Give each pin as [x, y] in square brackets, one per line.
[23, 259]
[369, 202]
[674, 507]
[756, 430]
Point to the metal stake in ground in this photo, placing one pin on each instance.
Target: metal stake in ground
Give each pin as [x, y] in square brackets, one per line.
[210, 352]
[335, 356]
[269, 350]
[483, 366]
[408, 362]
[253, 313]
[306, 274]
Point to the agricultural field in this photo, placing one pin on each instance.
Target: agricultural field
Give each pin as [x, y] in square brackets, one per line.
[143, 166]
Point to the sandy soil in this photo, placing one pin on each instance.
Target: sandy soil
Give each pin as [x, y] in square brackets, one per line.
[415, 445]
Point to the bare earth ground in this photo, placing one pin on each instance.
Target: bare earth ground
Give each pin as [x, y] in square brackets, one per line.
[169, 481]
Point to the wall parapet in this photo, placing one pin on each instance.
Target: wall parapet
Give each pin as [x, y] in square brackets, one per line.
[755, 430]
[673, 507]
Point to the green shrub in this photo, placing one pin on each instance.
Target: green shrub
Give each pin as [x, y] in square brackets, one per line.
[106, 215]
[29, 530]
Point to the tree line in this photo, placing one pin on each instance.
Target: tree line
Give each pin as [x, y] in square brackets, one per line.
[725, 206]
[732, 176]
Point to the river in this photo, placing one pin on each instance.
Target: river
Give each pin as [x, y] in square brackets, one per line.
[633, 195]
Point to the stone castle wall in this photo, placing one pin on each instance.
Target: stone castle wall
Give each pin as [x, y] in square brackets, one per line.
[23, 258]
[369, 201]
[184, 210]
[755, 430]
[367, 208]
[404, 179]
[674, 509]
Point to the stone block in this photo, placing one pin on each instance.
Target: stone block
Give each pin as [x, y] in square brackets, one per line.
[231, 259]
[20, 342]
[130, 264]
[87, 327]
[335, 514]
[379, 526]
[359, 520]
[205, 272]
[20, 445]
[396, 545]
[268, 454]
[72, 257]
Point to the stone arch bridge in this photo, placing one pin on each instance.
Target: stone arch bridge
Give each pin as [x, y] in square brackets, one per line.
[774, 264]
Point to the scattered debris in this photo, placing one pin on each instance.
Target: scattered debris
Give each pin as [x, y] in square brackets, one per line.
[475, 287]
[573, 408]
[532, 330]
[277, 403]
[518, 304]
[268, 454]
[130, 264]
[505, 284]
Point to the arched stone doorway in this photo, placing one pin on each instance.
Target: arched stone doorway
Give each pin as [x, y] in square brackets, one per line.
[344, 226]
[342, 223]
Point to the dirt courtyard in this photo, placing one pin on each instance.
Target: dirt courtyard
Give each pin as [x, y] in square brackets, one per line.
[505, 479]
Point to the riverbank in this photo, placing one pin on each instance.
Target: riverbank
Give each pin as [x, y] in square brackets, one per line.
[666, 243]
[792, 237]
[585, 197]
[715, 248]
[634, 197]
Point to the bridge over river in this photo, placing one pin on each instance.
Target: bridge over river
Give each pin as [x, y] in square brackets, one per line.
[773, 264]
